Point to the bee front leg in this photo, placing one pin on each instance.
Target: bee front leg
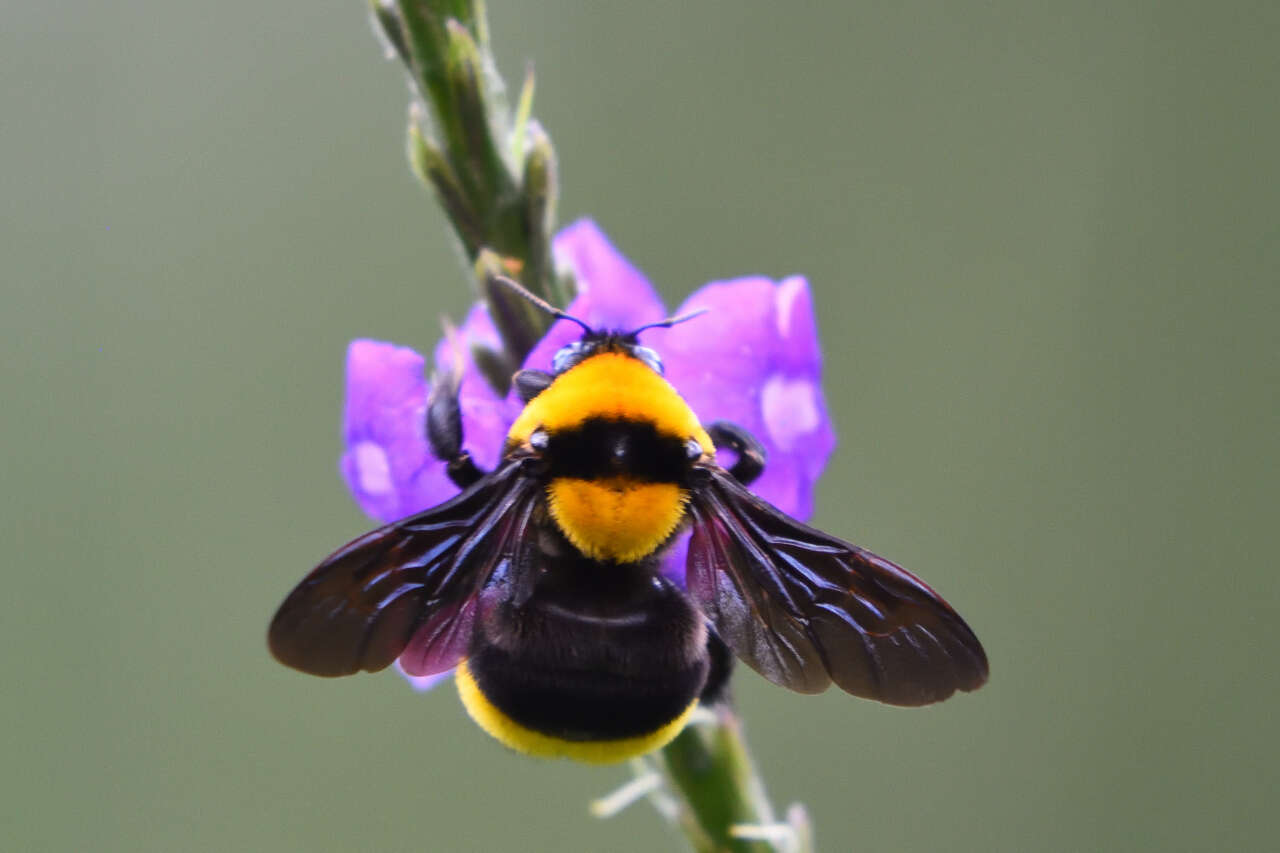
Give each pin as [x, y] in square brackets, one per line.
[531, 383]
[444, 430]
[750, 452]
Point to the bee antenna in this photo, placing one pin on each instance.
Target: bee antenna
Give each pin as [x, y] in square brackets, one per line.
[671, 321]
[539, 302]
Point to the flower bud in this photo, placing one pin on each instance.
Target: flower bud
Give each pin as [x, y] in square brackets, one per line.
[539, 181]
[432, 168]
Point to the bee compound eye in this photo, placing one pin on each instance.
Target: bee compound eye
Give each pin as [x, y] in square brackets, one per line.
[649, 357]
[693, 449]
[567, 356]
[538, 439]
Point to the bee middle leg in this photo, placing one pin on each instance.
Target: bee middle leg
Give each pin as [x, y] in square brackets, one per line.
[716, 687]
[444, 430]
[750, 452]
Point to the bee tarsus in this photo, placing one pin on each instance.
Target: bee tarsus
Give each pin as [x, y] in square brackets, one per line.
[531, 383]
[751, 455]
[444, 430]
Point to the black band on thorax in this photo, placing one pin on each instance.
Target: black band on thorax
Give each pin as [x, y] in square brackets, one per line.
[600, 447]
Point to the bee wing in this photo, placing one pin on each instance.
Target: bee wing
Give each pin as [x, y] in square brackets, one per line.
[361, 607]
[804, 609]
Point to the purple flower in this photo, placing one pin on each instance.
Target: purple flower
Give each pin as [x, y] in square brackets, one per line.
[753, 359]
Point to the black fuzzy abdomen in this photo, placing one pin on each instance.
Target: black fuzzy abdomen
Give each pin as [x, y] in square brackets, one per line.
[602, 654]
[585, 704]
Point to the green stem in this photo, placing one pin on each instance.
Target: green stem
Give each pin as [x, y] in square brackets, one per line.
[722, 801]
[492, 169]
[494, 173]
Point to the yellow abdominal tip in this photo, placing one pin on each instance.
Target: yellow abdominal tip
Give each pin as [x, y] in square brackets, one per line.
[515, 736]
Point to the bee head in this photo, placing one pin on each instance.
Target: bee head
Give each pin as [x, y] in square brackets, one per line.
[594, 341]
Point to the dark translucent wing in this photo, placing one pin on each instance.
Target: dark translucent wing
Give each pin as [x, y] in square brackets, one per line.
[507, 556]
[360, 608]
[804, 608]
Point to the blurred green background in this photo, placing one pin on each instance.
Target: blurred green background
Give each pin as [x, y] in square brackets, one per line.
[1043, 243]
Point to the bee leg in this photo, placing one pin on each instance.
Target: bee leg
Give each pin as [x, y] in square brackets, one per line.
[530, 383]
[750, 453]
[716, 688]
[444, 430]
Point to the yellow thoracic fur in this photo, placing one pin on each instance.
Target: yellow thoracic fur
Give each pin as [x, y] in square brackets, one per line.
[609, 385]
[616, 519]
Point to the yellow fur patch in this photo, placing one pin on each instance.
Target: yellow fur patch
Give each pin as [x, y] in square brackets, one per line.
[616, 518]
[517, 737]
[610, 385]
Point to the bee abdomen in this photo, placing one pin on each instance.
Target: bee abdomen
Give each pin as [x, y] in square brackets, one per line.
[593, 744]
[586, 680]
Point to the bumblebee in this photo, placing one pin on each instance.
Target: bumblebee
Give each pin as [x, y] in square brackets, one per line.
[539, 581]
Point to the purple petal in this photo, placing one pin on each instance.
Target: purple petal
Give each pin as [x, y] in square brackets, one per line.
[388, 465]
[423, 683]
[672, 564]
[383, 428]
[612, 293]
[761, 369]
